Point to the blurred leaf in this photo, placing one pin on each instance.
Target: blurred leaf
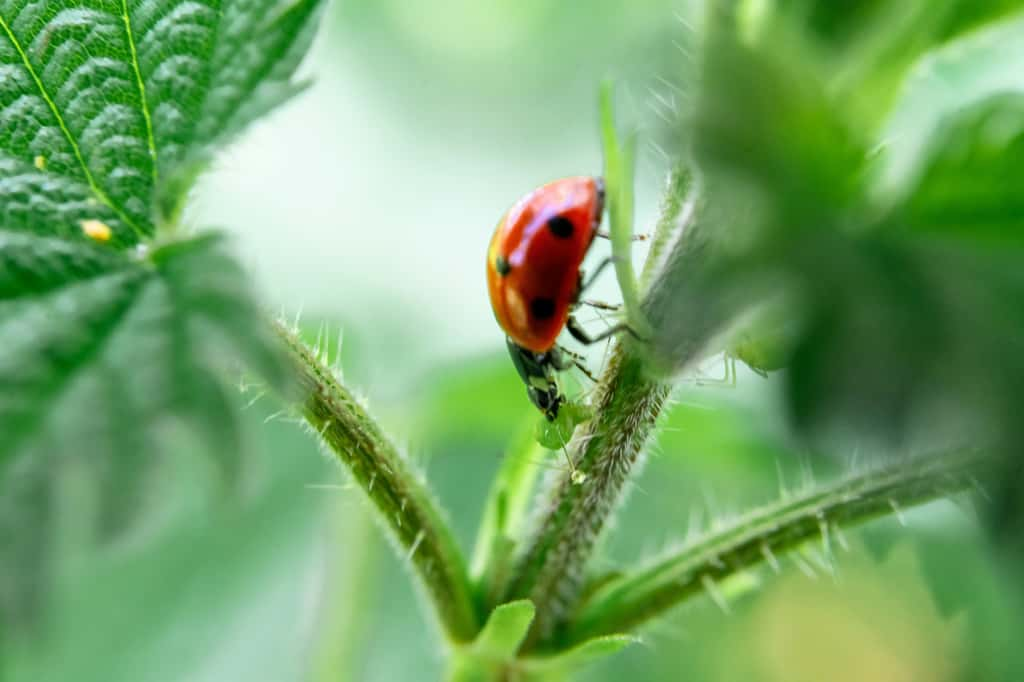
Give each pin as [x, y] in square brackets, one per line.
[763, 115]
[893, 326]
[486, 388]
[868, 47]
[685, 304]
[100, 362]
[184, 598]
[942, 84]
[900, 322]
[972, 184]
[776, 158]
[505, 511]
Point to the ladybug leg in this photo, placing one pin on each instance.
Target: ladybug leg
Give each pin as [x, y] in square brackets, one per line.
[586, 371]
[583, 286]
[563, 358]
[635, 237]
[601, 305]
[560, 358]
[581, 335]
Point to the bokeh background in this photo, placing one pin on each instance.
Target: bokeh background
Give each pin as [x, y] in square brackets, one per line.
[367, 204]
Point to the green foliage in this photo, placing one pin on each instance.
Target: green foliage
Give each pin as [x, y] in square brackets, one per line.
[845, 204]
[402, 498]
[492, 655]
[942, 85]
[900, 304]
[115, 336]
[970, 187]
[195, 576]
[495, 647]
[622, 601]
[504, 515]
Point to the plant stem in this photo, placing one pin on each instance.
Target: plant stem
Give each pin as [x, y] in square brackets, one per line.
[550, 573]
[677, 209]
[765, 534]
[400, 496]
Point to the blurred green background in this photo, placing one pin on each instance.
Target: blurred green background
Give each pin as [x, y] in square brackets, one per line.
[368, 203]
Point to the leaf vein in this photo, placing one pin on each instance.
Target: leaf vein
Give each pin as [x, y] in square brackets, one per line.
[142, 86]
[96, 189]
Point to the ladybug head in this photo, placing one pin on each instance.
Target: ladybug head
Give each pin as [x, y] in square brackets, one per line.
[547, 401]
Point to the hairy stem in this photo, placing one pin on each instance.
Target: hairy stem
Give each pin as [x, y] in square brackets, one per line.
[764, 535]
[677, 208]
[551, 571]
[400, 496]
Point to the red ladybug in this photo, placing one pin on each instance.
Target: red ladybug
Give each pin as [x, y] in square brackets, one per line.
[534, 279]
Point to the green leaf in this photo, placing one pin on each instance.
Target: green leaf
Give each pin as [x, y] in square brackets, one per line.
[868, 47]
[972, 186]
[494, 649]
[105, 356]
[109, 110]
[941, 85]
[764, 115]
[505, 513]
[580, 656]
[493, 653]
[505, 630]
[204, 574]
[888, 324]
[690, 301]
[105, 103]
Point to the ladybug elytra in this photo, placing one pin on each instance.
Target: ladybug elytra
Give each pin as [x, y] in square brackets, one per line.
[534, 279]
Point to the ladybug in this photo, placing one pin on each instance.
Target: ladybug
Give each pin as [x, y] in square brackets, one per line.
[534, 279]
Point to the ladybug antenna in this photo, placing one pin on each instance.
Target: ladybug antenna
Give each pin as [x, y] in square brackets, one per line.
[601, 305]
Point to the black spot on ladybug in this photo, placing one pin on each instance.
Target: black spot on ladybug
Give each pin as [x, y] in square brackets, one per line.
[560, 226]
[542, 308]
[502, 265]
